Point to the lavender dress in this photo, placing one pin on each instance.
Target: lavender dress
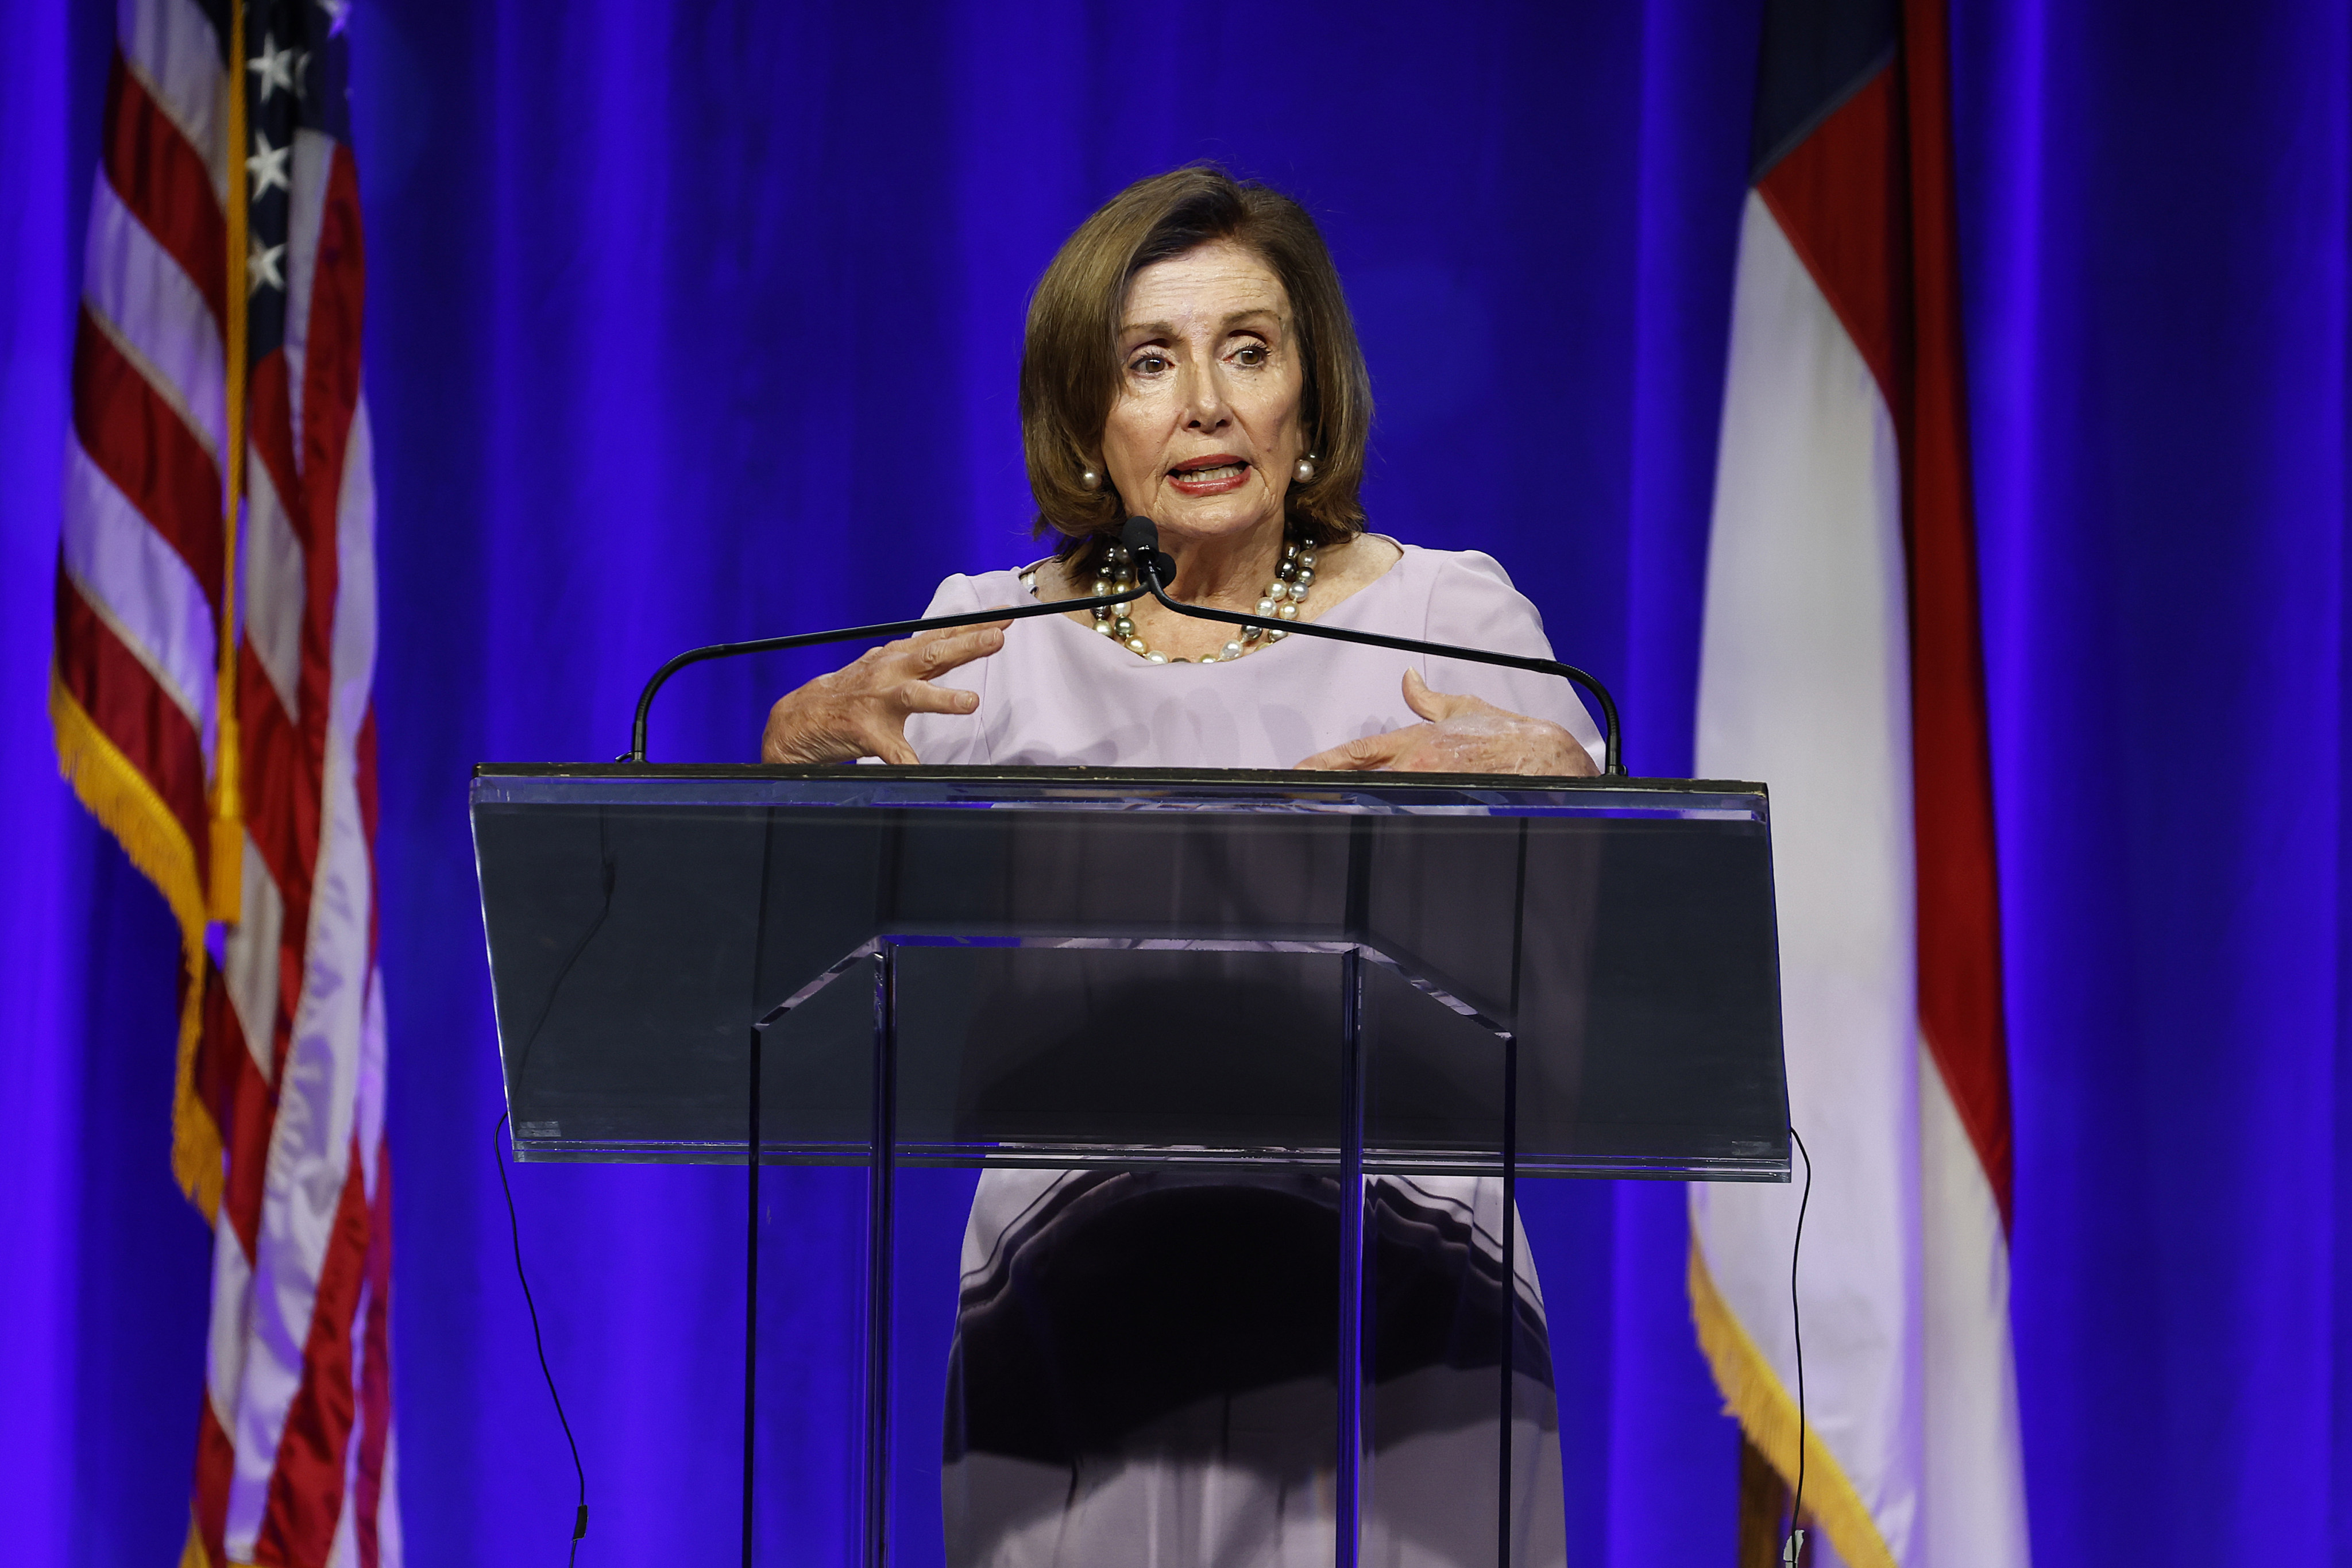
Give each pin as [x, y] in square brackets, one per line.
[1143, 1361]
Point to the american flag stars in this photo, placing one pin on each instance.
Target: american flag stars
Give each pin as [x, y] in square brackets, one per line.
[267, 168]
[296, 111]
[261, 263]
[276, 68]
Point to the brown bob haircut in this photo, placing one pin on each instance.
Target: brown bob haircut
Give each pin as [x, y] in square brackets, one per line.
[1069, 360]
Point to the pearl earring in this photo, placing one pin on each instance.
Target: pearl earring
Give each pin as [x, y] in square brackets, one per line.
[1089, 480]
[1304, 470]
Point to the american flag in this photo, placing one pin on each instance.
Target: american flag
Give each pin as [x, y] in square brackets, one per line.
[215, 649]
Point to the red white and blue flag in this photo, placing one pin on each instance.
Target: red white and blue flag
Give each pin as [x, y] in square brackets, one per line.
[1843, 665]
[215, 653]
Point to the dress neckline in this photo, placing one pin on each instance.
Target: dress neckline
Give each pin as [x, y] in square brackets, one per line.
[1136, 661]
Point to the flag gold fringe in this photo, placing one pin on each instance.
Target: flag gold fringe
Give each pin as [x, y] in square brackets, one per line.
[1752, 1391]
[193, 1555]
[127, 805]
[196, 1152]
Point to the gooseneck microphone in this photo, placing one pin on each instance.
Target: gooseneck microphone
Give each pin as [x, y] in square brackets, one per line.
[1141, 537]
[636, 751]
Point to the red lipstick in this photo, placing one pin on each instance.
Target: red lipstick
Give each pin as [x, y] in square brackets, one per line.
[1211, 476]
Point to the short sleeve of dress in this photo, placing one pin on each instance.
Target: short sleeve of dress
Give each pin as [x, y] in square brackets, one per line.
[949, 739]
[1472, 603]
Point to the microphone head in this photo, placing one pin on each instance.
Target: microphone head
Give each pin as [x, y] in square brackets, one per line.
[1141, 537]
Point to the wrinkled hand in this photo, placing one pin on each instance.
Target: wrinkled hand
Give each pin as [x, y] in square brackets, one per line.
[860, 710]
[1464, 735]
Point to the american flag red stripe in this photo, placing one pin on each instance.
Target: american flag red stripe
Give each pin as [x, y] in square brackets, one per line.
[215, 1463]
[281, 1113]
[282, 802]
[148, 163]
[1961, 1001]
[307, 1484]
[139, 442]
[102, 678]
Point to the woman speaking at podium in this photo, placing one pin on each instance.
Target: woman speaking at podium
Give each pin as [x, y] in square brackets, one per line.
[1135, 1379]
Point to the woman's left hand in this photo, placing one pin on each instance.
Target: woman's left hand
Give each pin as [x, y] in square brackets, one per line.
[1464, 735]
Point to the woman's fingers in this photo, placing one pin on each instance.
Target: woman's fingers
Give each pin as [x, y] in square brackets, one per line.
[1419, 696]
[860, 709]
[800, 733]
[1482, 739]
[922, 697]
[932, 654]
[1365, 753]
[894, 750]
[936, 653]
[1435, 705]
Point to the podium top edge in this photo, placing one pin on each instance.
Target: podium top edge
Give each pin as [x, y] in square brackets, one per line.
[674, 785]
[1254, 778]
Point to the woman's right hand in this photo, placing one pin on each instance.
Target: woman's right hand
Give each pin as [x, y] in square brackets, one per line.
[861, 711]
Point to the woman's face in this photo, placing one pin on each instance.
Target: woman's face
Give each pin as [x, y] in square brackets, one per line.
[1205, 427]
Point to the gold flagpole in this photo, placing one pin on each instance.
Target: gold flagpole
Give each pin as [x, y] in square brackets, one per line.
[227, 804]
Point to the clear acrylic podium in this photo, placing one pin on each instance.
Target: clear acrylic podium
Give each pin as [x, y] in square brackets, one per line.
[903, 969]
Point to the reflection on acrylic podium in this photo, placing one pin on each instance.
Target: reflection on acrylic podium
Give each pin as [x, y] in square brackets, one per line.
[883, 980]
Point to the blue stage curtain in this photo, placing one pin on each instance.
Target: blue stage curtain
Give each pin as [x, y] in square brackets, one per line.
[700, 320]
[2153, 210]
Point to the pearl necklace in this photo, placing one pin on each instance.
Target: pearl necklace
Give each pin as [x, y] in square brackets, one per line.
[1281, 601]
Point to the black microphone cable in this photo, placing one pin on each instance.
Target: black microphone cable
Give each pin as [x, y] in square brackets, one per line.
[1793, 1551]
[514, 1229]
